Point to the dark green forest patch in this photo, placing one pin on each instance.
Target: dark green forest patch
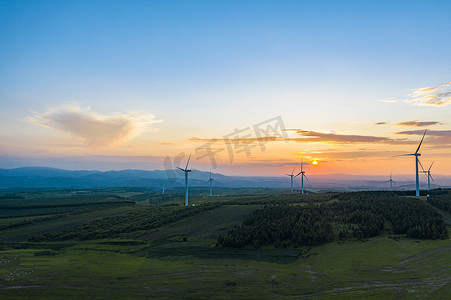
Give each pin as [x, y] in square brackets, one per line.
[355, 216]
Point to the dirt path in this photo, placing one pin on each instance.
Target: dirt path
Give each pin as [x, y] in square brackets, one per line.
[429, 283]
[441, 249]
[77, 283]
[444, 216]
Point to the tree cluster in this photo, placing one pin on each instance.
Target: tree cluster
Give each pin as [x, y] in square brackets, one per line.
[279, 224]
[407, 215]
[354, 216]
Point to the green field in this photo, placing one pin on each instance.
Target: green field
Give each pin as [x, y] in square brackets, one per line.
[175, 256]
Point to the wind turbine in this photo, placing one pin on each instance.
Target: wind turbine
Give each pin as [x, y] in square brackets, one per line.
[428, 172]
[186, 179]
[292, 176]
[416, 154]
[391, 183]
[162, 191]
[210, 181]
[302, 173]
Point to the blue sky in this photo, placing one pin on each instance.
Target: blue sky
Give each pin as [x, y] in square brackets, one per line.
[203, 68]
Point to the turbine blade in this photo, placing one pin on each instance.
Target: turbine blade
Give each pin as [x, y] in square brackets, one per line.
[404, 155]
[305, 176]
[421, 165]
[188, 161]
[430, 166]
[293, 171]
[431, 178]
[180, 169]
[418, 149]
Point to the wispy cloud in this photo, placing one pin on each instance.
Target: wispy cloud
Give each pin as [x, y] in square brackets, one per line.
[436, 133]
[310, 137]
[434, 138]
[356, 154]
[242, 141]
[314, 136]
[418, 123]
[389, 100]
[97, 131]
[412, 123]
[439, 95]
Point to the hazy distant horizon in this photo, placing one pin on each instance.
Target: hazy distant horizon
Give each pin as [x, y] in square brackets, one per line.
[343, 176]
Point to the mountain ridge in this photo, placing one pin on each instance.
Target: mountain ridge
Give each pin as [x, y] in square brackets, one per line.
[45, 177]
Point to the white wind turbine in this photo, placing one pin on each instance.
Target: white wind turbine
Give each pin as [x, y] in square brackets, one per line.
[417, 161]
[210, 181]
[391, 182]
[186, 179]
[292, 176]
[302, 173]
[428, 172]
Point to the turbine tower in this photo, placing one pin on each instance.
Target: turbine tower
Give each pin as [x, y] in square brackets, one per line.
[391, 183]
[186, 179]
[302, 173]
[210, 181]
[428, 172]
[292, 176]
[162, 191]
[417, 161]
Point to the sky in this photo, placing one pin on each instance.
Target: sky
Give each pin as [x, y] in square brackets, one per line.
[246, 87]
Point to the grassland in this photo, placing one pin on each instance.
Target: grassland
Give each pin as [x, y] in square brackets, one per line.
[179, 260]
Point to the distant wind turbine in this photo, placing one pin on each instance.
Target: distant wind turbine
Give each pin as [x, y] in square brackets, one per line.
[428, 172]
[292, 176]
[391, 183]
[186, 179]
[302, 173]
[417, 160]
[163, 190]
[210, 181]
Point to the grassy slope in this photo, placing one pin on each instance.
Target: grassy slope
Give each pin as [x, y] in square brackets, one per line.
[163, 265]
[208, 225]
[380, 268]
[22, 233]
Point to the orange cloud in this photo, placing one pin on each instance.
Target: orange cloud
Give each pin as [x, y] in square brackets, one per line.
[314, 136]
[310, 137]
